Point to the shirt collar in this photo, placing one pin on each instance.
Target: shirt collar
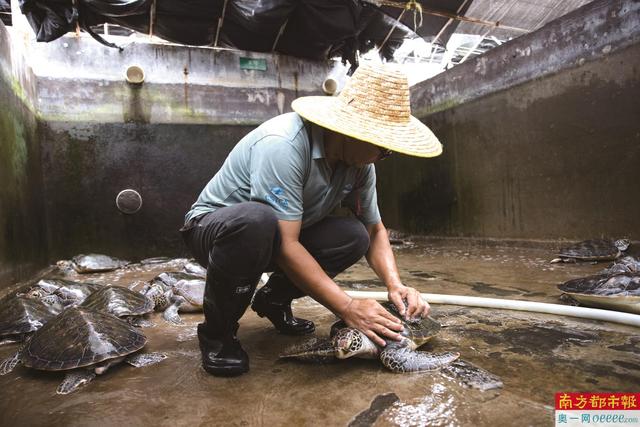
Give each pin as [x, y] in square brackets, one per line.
[317, 141]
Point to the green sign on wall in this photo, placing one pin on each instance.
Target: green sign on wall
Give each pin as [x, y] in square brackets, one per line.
[259, 64]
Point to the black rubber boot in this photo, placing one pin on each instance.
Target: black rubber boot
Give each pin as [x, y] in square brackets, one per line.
[273, 301]
[225, 301]
[223, 357]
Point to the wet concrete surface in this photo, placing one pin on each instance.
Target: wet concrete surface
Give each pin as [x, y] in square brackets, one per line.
[535, 355]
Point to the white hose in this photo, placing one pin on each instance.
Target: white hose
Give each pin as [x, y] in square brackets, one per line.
[505, 304]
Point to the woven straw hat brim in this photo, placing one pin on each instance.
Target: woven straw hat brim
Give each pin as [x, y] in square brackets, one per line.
[412, 137]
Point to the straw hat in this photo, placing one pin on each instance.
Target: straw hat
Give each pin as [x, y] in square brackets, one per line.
[373, 107]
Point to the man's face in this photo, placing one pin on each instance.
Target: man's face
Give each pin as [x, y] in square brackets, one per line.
[358, 153]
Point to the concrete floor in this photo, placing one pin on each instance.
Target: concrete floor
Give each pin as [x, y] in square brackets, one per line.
[535, 355]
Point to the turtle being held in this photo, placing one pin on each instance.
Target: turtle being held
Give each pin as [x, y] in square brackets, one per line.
[593, 250]
[176, 291]
[397, 356]
[83, 343]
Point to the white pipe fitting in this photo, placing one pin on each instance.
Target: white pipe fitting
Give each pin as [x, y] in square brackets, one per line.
[329, 86]
[134, 75]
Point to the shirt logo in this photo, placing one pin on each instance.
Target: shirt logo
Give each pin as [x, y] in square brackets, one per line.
[347, 189]
[276, 199]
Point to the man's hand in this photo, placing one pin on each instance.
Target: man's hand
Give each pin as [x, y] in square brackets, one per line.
[417, 307]
[371, 318]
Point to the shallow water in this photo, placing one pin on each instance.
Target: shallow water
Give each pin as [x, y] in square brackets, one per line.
[534, 355]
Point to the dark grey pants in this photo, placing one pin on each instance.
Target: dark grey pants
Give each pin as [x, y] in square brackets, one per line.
[241, 242]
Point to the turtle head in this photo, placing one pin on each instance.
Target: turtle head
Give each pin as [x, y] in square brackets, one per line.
[622, 244]
[349, 342]
[160, 296]
[36, 293]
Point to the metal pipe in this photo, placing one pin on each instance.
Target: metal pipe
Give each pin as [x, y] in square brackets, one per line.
[505, 304]
[478, 21]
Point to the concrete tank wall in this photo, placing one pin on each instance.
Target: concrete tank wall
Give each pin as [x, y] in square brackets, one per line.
[23, 245]
[98, 135]
[541, 137]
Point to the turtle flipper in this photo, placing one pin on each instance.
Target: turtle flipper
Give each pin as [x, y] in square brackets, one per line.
[315, 350]
[171, 313]
[10, 363]
[145, 359]
[74, 380]
[12, 339]
[140, 322]
[404, 359]
[471, 375]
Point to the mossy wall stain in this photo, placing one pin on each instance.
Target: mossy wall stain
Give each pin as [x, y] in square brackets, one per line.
[23, 244]
[13, 153]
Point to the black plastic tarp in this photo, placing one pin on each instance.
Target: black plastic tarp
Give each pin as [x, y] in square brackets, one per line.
[315, 29]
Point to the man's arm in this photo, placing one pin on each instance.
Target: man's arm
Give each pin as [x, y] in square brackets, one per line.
[366, 315]
[380, 258]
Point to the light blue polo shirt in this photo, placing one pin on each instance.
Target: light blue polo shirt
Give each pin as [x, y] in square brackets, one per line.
[277, 164]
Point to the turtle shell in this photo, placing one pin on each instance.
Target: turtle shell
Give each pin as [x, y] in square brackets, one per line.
[93, 263]
[118, 301]
[591, 250]
[418, 330]
[20, 315]
[80, 337]
[155, 260]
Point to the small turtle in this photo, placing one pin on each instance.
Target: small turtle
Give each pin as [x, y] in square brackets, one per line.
[593, 250]
[120, 302]
[20, 316]
[84, 343]
[618, 291]
[92, 263]
[397, 356]
[175, 291]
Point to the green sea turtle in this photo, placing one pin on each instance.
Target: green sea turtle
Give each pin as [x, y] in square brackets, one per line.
[65, 292]
[593, 250]
[120, 302]
[91, 263]
[617, 291]
[175, 291]
[397, 356]
[84, 343]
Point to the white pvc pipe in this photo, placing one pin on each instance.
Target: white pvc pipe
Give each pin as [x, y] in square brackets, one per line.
[505, 304]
